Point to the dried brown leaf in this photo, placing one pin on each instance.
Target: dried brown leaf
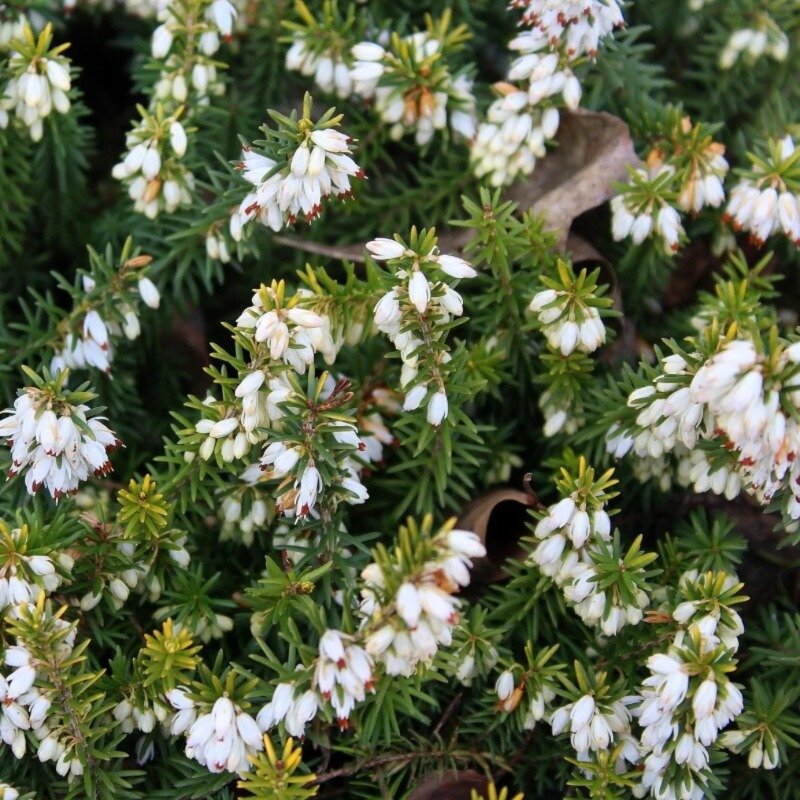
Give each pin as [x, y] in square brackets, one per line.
[594, 151]
[450, 786]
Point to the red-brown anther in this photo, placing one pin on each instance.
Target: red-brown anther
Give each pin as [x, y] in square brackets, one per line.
[253, 208]
[344, 724]
[748, 462]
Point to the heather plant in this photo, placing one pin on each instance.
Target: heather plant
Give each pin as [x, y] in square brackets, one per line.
[401, 400]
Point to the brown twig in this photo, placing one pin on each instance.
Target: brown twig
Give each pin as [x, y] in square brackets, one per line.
[451, 709]
[353, 252]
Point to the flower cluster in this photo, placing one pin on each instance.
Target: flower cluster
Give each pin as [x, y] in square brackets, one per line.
[185, 43]
[415, 314]
[688, 697]
[525, 115]
[28, 698]
[242, 514]
[320, 48]
[763, 750]
[141, 717]
[112, 312]
[311, 451]
[767, 198]
[290, 184]
[575, 549]
[508, 693]
[276, 330]
[295, 709]
[153, 169]
[644, 208]
[22, 706]
[737, 398]
[40, 81]
[734, 385]
[513, 137]
[312, 425]
[343, 673]
[750, 44]
[288, 328]
[596, 726]
[12, 26]
[409, 611]
[406, 612]
[220, 736]
[684, 172]
[576, 25]
[54, 437]
[568, 311]
[413, 88]
[24, 574]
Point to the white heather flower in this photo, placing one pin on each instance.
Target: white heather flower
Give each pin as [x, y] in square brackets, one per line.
[414, 397]
[752, 43]
[705, 698]
[437, 408]
[639, 222]
[505, 685]
[149, 293]
[294, 711]
[310, 485]
[419, 291]
[50, 447]
[418, 307]
[383, 249]
[455, 267]
[704, 186]
[568, 323]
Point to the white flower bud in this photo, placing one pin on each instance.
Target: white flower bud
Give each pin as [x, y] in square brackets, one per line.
[437, 408]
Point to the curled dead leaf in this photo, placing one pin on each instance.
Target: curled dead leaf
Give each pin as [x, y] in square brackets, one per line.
[594, 151]
[499, 518]
[450, 785]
